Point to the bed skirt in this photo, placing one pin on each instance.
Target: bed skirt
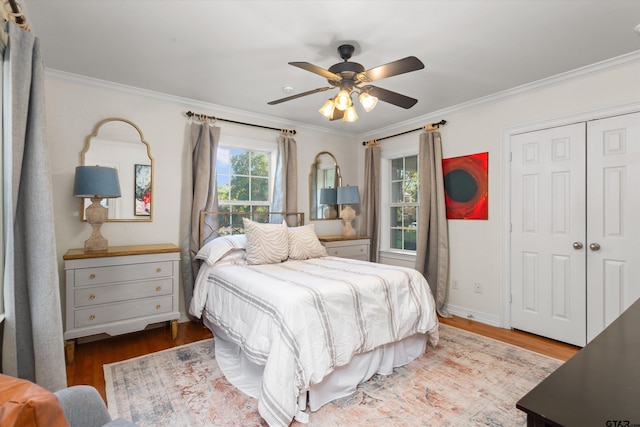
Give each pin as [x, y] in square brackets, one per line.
[247, 376]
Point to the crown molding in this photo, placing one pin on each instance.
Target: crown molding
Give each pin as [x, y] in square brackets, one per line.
[598, 67]
[606, 65]
[189, 104]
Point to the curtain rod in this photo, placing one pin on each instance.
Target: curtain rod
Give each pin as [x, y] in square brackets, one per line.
[192, 114]
[430, 126]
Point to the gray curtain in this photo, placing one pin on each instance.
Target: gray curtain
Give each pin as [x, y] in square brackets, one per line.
[371, 199]
[204, 151]
[285, 186]
[32, 346]
[432, 252]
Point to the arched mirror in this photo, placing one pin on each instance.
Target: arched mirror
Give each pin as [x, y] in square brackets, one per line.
[119, 143]
[324, 180]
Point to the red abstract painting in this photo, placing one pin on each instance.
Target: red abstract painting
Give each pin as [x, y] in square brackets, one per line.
[466, 188]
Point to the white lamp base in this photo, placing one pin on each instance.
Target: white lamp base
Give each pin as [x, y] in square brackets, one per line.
[96, 214]
[348, 214]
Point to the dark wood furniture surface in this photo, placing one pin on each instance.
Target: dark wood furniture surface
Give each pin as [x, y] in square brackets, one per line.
[599, 386]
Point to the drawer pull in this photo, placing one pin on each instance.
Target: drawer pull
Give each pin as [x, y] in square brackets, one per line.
[92, 317]
[158, 270]
[93, 276]
[158, 288]
[92, 297]
[158, 306]
[361, 249]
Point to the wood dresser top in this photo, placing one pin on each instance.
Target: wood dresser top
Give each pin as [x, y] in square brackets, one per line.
[157, 248]
[340, 238]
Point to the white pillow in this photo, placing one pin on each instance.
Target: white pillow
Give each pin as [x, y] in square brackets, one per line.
[266, 243]
[218, 248]
[304, 243]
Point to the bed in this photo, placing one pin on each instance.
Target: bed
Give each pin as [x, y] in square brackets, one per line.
[296, 328]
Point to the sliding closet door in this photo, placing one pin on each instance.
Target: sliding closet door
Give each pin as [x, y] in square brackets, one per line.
[548, 294]
[613, 226]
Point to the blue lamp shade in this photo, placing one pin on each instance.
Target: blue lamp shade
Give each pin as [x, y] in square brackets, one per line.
[96, 181]
[348, 195]
[328, 196]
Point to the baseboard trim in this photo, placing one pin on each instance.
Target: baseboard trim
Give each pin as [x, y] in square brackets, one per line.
[478, 316]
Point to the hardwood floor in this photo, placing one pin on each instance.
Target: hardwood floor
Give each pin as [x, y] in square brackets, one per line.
[546, 346]
[89, 357]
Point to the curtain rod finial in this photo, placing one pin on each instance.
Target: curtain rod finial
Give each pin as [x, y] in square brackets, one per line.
[434, 126]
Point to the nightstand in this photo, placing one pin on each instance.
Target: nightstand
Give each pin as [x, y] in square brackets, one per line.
[120, 290]
[354, 247]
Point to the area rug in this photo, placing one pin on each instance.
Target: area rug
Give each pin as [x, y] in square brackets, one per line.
[467, 380]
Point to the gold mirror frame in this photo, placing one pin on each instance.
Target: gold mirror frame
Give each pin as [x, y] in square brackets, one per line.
[127, 185]
[314, 189]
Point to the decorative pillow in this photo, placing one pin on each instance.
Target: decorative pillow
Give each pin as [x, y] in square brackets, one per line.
[218, 248]
[304, 243]
[266, 243]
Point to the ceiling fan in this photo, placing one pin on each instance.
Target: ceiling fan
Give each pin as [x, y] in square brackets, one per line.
[352, 77]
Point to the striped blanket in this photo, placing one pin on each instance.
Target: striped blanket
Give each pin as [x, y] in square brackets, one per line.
[303, 319]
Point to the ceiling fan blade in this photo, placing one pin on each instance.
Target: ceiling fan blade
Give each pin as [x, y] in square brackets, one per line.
[299, 95]
[315, 69]
[401, 66]
[392, 97]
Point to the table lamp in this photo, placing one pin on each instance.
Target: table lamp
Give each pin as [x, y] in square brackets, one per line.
[96, 183]
[329, 198]
[348, 196]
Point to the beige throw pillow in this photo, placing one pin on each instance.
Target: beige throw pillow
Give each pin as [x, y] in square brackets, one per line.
[266, 243]
[304, 243]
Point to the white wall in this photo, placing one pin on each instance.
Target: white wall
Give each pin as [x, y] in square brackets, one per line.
[75, 105]
[476, 246]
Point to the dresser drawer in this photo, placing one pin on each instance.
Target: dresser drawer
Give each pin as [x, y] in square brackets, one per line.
[122, 273]
[87, 296]
[122, 311]
[350, 251]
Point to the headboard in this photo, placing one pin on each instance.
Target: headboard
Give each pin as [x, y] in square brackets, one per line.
[217, 224]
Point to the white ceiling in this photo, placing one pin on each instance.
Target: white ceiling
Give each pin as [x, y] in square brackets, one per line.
[235, 53]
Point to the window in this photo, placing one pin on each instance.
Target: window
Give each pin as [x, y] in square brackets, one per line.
[243, 180]
[245, 170]
[403, 203]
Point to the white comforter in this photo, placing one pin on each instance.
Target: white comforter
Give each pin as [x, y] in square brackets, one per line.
[302, 319]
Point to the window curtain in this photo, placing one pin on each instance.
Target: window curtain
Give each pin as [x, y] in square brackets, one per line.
[432, 251]
[33, 346]
[285, 185]
[204, 152]
[371, 199]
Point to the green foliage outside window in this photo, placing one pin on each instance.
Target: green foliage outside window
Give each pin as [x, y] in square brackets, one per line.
[243, 180]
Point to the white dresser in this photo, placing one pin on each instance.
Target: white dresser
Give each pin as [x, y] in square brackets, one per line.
[120, 290]
[354, 247]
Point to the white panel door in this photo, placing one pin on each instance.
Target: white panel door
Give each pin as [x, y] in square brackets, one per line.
[548, 286]
[613, 226]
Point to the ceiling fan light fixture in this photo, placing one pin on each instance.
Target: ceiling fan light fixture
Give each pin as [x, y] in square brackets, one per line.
[368, 101]
[343, 100]
[327, 109]
[350, 114]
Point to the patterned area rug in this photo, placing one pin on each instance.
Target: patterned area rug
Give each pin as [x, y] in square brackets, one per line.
[468, 380]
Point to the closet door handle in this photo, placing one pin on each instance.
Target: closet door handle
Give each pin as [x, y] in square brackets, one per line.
[594, 247]
[577, 245]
